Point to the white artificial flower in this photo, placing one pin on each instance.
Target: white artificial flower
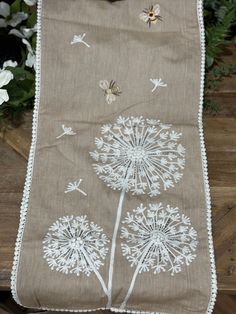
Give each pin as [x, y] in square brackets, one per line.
[4, 9]
[30, 61]
[24, 32]
[9, 63]
[30, 2]
[5, 77]
[14, 19]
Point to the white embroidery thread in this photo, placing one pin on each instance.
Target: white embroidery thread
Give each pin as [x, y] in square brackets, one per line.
[111, 90]
[157, 83]
[73, 245]
[66, 131]
[28, 181]
[138, 155]
[74, 186]
[157, 238]
[79, 39]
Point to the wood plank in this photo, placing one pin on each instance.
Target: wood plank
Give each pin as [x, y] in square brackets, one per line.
[228, 84]
[226, 105]
[226, 304]
[13, 170]
[221, 168]
[19, 138]
[220, 134]
[223, 200]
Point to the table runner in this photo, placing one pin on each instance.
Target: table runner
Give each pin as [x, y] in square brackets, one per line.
[116, 207]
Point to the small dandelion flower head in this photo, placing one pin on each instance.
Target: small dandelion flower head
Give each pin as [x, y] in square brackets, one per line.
[139, 155]
[73, 245]
[158, 238]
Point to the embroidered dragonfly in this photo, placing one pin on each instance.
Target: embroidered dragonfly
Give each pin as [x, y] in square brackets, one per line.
[66, 131]
[80, 39]
[157, 83]
[74, 186]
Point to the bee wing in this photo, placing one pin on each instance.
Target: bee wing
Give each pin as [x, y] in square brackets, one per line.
[104, 84]
[156, 9]
[143, 16]
[110, 98]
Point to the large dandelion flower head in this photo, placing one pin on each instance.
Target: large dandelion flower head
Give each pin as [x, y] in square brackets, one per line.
[139, 155]
[158, 238]
[75, 245]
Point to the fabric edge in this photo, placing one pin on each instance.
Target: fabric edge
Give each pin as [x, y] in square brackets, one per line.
[28, 181]
[30, 166]
[204, 159]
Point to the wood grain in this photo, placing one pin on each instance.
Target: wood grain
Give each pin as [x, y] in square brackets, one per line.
[19, 138]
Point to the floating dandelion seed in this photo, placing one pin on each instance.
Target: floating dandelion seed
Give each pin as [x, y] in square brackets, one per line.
[157, 83]
[66, 131]
[79, 39]
[74, 245]
[157, 238]
[138, 155]
[75, 186]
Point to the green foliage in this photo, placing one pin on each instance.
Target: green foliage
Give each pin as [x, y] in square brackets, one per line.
[211, 105]
[21, 89]
[220, 16]
[217, 73]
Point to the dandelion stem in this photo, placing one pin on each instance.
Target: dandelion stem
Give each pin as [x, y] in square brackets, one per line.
[81, 191]
[131, 287]
[84, 42]
[95, 271]
[59, 136]
[113, 246]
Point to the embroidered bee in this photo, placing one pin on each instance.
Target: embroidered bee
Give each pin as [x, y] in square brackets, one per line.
[111, 89]
[151, 15]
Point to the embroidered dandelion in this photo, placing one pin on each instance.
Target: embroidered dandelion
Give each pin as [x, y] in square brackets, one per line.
[66, 131]
[111, 90]
[74, 186]
[79, 39]
[151, 15]
[157, 83]
[157, 238]
[139, 155]
[74, 245]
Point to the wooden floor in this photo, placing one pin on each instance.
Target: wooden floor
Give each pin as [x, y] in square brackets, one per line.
[220, 135]
[226, 304]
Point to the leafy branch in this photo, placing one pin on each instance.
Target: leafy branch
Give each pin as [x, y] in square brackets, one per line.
[220, 16]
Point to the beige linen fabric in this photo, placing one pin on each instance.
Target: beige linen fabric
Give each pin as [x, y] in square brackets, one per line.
[122, 48]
